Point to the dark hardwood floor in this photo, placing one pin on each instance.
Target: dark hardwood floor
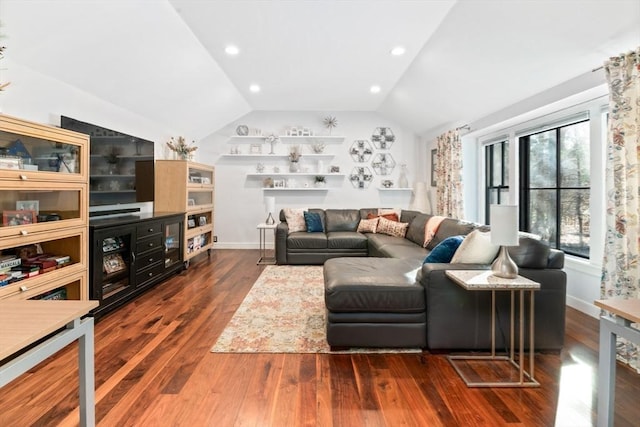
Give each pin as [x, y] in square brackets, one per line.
[153, 368]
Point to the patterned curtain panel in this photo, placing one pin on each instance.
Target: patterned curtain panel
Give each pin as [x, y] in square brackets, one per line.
[621, 263]
[449, 175]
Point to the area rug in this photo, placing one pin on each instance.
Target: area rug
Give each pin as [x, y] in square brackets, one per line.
[283, 313]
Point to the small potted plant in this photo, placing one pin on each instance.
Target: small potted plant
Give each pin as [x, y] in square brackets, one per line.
[320, 181]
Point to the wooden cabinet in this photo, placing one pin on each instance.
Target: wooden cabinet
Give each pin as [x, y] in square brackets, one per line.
[132, 253]
[182, 185]
[44, 206]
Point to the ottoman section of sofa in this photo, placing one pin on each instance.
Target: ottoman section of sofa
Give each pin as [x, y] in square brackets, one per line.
[374, 302]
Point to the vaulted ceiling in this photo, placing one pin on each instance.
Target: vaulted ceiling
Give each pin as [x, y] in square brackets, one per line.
[165, 60]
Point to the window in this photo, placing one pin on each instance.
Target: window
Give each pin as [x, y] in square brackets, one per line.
[555, 186]
[497, 175]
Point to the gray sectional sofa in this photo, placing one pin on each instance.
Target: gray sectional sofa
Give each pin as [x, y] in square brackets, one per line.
[379, 293]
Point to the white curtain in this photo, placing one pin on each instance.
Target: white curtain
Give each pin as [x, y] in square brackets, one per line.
[621, 263]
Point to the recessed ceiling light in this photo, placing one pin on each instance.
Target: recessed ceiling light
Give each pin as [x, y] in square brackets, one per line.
[375, 89]
[232, 50]
[398, 50]
[254, 88]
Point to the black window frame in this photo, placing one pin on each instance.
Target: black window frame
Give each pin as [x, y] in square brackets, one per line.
[490, 152]
[524, 141]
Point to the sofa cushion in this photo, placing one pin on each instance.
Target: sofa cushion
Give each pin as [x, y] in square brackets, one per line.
[410, 251]
[346, 240]
[445, 250]
[367, 225]
[530, 253]
[476, 248]
[313, 222]
[451, 227]
[342, 219]
[392, 228]
[372, 285]
[304, 240]
[415, 232]
[295, 219]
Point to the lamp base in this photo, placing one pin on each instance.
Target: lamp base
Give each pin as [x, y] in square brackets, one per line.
[504, 266]
[270, 220]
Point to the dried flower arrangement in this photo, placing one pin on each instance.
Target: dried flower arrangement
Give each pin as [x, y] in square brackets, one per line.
[295, 153]
[181, 147]
[330, 122]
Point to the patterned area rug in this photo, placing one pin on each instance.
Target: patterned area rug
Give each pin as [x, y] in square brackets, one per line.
[283, 313]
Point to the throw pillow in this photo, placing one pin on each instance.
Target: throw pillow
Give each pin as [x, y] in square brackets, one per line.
[445, 250]
[392, 228]
[391, 216]
[431, 228]
[295, 219]
[313, 222]
[476, 248]
[390, 211]
[368, 225]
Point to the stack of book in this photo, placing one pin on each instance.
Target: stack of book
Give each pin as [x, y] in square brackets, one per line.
[13, 268]
[7, 262]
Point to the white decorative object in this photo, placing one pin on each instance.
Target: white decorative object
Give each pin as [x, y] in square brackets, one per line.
[504, 232]
[421, 198]
[403, 182]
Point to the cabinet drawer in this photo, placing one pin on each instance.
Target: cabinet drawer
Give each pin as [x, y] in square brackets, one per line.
[148, 244]
[149, 274]
[149, 258]
[148, 228]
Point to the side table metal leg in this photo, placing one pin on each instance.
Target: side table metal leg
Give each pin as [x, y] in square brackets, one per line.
[86, 375]
[606, 374]
[521, 351]
[512, 342]
[493, 323]
[531, 336]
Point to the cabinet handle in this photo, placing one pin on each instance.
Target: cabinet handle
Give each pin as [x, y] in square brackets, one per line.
[150, 245]
[24, 232]
[150, 274]
[23, 177]
[23, 288]
[150, 230]
[150, 259]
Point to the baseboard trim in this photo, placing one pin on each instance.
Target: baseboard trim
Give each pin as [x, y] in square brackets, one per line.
[583, 306]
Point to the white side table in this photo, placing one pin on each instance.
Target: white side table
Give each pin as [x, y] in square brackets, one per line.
[627, 312]
[482, 280]
[262, 230]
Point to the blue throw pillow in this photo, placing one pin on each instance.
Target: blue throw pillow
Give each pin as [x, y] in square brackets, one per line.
[444, 251]
[313, 222]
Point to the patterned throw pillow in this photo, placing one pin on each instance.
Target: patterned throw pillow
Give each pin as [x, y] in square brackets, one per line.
[295, 219]
[476, 248]
[445, 250]
[368, 225]
[392, 228]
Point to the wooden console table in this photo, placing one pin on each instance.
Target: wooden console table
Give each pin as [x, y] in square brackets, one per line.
[25, 322]
[627, 311]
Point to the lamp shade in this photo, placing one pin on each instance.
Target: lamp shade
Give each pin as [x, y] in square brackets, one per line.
[270, 204]
[504, 225]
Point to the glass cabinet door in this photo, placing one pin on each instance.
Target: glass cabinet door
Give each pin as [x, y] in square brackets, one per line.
[29, 150]
[116, 262]
[29, 208]
[172, 247]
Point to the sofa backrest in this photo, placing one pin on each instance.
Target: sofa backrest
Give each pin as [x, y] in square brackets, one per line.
[417, 224]
[342, 219]
[451, 227]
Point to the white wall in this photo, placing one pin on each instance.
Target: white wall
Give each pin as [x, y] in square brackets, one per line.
[240, 199]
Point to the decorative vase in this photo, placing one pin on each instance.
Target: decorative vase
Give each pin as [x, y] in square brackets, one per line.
[294, 167]
[403, 182]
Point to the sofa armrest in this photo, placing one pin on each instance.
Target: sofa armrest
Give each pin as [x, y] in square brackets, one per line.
[282, 231]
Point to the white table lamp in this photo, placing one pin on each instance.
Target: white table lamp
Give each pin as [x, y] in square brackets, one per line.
[270, 204]
[504, 232]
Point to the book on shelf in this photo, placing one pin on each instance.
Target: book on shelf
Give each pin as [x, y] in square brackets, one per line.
[8, 262]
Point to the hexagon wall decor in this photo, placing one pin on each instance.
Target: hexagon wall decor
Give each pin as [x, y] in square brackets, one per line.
[383, 138]
[361, 150]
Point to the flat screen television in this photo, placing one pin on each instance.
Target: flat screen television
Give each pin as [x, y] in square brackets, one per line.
[121, 166]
